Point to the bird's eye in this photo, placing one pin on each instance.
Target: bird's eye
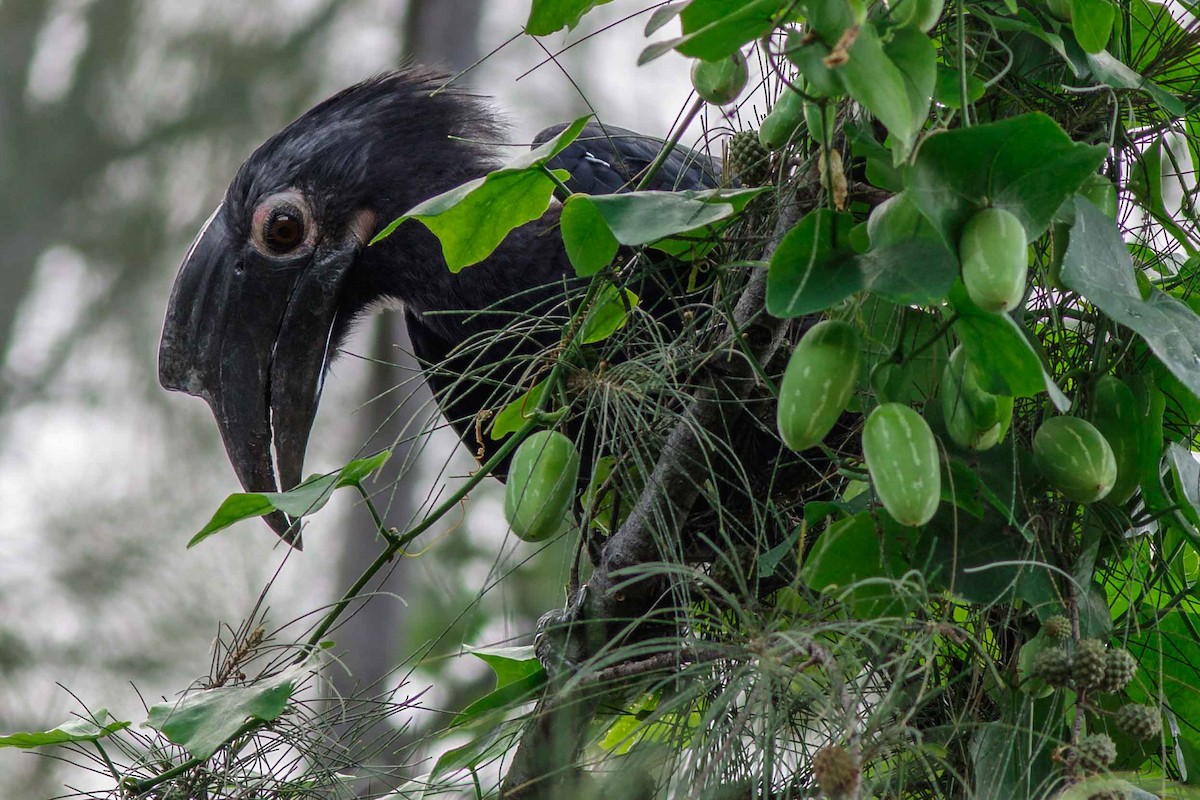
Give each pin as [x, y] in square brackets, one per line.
[282, 224]
[283, 230]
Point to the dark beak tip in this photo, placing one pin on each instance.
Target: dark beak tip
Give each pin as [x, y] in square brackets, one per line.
[288, 529]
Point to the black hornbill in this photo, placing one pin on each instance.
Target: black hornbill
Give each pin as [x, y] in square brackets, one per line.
[277, 276]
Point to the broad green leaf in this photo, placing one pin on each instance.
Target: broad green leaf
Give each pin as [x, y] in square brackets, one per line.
[1092, 21]
[1098, 266]
[692, 244]
[1168, 649]
[949, 90]
[871, 78]
[1187, 473]
[854, 554]
[1012, 759]
[75, 730]
[915, 56]
[1026, 22]
[1025, 164]
[590, 244]
[813, 267]
[908, 262]
[637, 218]
[489, 745]
[513, 416]
[307, 498]
[714, 29]
[203, 721]
[1118, 75]
[519, 675]
[1006, 361]
[548, 16]
[608, 314]
[472, 220]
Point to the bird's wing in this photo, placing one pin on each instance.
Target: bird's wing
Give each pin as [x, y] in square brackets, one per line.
[606, 159]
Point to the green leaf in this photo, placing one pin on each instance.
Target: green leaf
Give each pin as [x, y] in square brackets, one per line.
[608, 314]
[472, 220]
[1005, 360]
[548, 16]
[1098, 266]
[692, 244]
[908, 262]
[203, 721]
[915, 56]
[1118, 75]
[949, 90]
[1092, 21]
[519, 675]
[637, 218]
[306, 498]
[813, 267]
[714, 29]
[1025, 164]
[590, 244]
[514, 415]
[853, 554]
[874, 80]
[1187, 473]
[75, 730]
[662, 15]
[491, 744]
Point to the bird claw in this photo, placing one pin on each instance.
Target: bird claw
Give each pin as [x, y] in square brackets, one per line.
[559, 642]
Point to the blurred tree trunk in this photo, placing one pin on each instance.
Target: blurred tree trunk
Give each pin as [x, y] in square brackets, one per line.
[440, 34]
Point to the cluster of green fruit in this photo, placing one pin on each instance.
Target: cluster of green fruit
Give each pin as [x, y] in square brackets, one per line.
[1084, 460]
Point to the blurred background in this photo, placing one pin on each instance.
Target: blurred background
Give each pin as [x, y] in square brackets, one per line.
[121, 122]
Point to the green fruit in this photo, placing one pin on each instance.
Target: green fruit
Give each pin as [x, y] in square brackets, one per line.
[902, 458]
[1075, 458]
[1115, 415]
[817, 384]
[1101, 192]
[540, 485]
[720, 82]
[923, 14]
[785, 119]
[994, 261]
[975, 418]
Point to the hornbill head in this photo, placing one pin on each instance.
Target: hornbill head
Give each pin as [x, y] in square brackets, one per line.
[275, 277]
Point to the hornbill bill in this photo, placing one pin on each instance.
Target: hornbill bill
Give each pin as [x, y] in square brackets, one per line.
[280, 272]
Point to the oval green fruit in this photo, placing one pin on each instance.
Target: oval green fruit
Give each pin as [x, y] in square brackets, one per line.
[820, 124]
[817, 383]
[902, 458]
[975, 418]
[992, 250]
[1075, 458]
[1115, 415]
[720, 82]
[786, 117]
[540, 484]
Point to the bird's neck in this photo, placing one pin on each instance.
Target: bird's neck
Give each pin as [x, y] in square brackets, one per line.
[408, 266]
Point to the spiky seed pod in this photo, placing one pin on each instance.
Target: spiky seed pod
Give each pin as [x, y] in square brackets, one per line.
[1057, 627]
[1140, 722]
[1096, 752]
[748, 159]
[835, 771]
[1119, 669]
[1053, 666]
[1087, 664]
